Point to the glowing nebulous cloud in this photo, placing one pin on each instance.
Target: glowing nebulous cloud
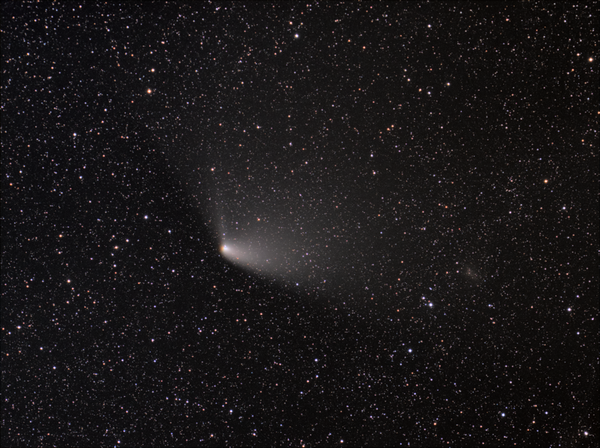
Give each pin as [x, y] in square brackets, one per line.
[268, 248]
[282, 225]
[242, 255]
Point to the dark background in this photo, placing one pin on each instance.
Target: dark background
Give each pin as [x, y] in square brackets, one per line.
[458, 141]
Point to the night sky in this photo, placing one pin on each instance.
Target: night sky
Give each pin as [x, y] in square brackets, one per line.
[300, 224]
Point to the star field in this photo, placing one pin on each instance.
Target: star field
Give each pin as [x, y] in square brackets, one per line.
[317, 224]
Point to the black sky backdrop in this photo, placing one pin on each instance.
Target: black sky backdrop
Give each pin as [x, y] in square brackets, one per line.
[411, 189]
